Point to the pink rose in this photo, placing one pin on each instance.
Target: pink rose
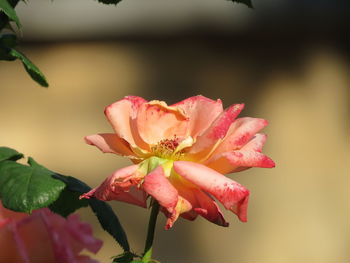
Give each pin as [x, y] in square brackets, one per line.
[180, 153]
[44, 237]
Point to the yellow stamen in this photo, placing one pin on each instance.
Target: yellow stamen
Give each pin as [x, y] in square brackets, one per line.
[171, 148]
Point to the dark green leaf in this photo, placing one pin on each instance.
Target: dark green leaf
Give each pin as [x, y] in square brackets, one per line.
[126, 257]
[109, 221]
[67, 203]
[73, 183]
[246, 2]
[5, 54]
[9, 11]
[25, 188]
[8, 40]
[104, 213]
[108, 2]
[32, 70]
[9, 154]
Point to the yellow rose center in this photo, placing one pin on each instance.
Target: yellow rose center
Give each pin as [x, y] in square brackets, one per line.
[172, 149]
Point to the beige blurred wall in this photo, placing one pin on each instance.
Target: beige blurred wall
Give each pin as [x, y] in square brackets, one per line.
[298, 212]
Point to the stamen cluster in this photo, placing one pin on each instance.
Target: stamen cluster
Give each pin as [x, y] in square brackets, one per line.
[166, 149]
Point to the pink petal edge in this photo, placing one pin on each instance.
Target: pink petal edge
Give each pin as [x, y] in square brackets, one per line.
[122, 185]
[158, 186]
[230, 193]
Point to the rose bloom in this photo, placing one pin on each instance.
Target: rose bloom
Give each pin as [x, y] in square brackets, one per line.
[44, 237]
[180, 154]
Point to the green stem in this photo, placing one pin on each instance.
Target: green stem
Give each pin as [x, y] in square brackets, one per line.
[147, 255]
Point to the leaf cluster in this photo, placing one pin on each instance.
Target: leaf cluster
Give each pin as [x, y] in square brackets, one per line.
[246, 2]
[24, 188]
[8, 42]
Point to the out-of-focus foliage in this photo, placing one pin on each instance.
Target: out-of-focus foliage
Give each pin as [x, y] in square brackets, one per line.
[24, 188]
[108, 2]
[104, 213]
[8, 42]
[8, 9]
[247, 2]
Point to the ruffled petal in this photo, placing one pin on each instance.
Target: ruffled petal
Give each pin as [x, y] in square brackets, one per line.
[110, 143]
[159, 187]
[215, 133]
[157, 121]
[230, 193]
[81, 234]
[23, 239]
[236, 161]
[122, 185]
[200, 202]
[68, 237]
[32, 237]
[121, 115]
[240, 132]
[182, 206]
[256, 143]
[12, 249]
[208, 209]
[201, 112]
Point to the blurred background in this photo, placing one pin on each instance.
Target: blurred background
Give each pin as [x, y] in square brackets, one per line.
[288, 61]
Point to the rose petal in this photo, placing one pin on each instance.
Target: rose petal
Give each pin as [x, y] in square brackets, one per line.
[256, 143]
[230, 193]
[208, 209]
[110, 143]
[239, 133]
[201, 112]
[158, 186]
[215, 133]
[122, 185]
[157, 121]
[61, 239]
[234, 161]
[121, 115]
[82, 234]
[58, 235]
[200, 202]
[182, 206]
[11, 251]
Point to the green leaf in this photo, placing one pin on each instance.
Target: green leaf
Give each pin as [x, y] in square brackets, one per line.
[32, 70]
[8, 40]
[67, 203]
[246, 2]
[126, 257]
[73, 183]
[7, 52]
[9, 154]
[9, 11]
[109, 222]
[104, 213]
[25, 188]
[109, 2]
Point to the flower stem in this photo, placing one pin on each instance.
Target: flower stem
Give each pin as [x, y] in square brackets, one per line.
[147, 255]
